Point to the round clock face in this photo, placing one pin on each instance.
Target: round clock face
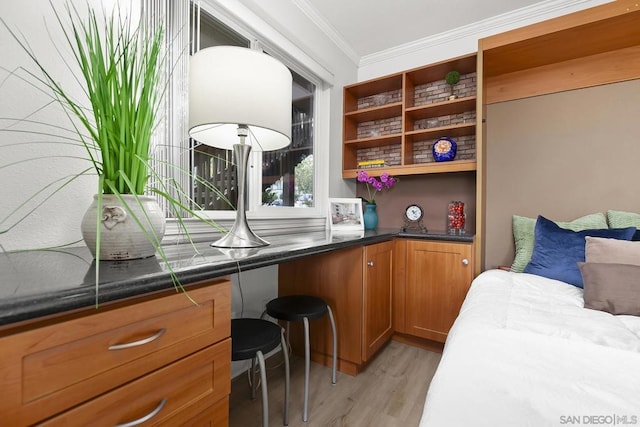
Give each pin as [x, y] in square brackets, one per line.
[413, 213]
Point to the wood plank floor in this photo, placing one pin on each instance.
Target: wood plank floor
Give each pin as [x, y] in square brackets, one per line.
[390, 392]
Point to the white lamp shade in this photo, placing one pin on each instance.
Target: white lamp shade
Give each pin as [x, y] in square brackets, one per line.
[231, 86]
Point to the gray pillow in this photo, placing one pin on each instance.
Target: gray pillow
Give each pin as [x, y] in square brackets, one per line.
[614, 288]
[523, 234]
[611, 251]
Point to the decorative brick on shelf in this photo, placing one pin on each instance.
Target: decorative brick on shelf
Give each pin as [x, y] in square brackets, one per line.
[389, 153]
[379, 127]
[439, 91]
[380, 99]
[453, 119]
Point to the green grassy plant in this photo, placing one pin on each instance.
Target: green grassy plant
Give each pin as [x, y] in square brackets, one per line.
[121, 76]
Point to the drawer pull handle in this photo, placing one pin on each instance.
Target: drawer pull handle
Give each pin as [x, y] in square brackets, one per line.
[465, 261]
[370, 263]
[146, 417]
[139, 342]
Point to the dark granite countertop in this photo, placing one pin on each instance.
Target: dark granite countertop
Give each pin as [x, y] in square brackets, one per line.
[40, 283]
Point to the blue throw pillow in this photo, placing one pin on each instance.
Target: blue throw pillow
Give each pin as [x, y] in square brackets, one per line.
[557, 251]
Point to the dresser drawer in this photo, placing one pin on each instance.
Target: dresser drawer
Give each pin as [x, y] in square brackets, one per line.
[49, 369]
[166, 396]
[214, 416]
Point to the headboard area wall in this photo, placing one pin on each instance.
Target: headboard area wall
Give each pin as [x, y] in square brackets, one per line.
[561, 155]
[559, 108]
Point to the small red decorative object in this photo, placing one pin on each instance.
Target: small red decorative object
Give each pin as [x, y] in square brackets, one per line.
[455, 218]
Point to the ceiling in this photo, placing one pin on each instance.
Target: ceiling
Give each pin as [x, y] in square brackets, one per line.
[368, 26]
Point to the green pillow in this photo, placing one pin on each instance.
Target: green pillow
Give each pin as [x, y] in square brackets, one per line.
[523, 234]
[619, 219]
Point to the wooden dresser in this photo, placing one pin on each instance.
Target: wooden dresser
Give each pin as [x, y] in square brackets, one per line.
[159, 357]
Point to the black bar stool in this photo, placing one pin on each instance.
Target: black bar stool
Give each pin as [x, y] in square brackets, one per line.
[295, 308]
[251, 339]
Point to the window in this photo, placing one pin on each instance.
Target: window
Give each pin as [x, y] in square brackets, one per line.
[210, 164]
[288, 175]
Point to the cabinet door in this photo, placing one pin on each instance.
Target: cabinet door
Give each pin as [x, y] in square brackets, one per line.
[377, 288]
[438, 277]
[336, 277]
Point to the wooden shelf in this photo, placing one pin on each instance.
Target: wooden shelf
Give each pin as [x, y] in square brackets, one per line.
[442, 108]
[463, 64]
[377, 141]
[399, 93]
[375, 86]
[376, 113]
[416, 169]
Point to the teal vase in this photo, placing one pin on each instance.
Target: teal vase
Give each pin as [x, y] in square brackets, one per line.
[370, 216]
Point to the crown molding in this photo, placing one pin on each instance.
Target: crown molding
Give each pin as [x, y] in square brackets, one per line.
[534, 13]
[494, 25]
[329, 30]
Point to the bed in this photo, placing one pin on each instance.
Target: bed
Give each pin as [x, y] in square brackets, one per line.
[525, 352]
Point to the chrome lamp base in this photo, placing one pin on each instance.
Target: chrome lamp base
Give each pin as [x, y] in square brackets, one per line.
[241, 235]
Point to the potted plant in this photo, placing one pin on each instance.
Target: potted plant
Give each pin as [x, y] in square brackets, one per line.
[373, 185]
[452, 78]
[120, 73]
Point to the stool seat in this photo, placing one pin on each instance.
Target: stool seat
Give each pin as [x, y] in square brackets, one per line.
[303, 308]
[252, 335]
[294, 308]
[252, 339]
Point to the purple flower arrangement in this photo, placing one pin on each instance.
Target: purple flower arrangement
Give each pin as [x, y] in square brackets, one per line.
[374, 185]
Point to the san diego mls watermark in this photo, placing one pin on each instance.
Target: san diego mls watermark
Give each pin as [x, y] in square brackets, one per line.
[602, 420]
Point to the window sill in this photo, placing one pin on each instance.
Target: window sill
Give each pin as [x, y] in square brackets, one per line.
[200, 232]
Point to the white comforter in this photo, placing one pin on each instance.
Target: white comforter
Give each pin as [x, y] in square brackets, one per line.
[524, 352]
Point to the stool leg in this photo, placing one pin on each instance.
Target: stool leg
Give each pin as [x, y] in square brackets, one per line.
[287, 378]
[307, 363]
[265, 398]
[252, 378]
[288, 330]
[335, 345]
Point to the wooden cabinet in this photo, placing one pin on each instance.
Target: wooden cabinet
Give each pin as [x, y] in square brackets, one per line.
[397, 118]
[357, 284]
[377, 295]
[437, 277]
[162, 355]
[552, 55]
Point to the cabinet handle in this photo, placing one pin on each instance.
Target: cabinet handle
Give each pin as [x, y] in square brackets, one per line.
[465, 261]
[139, 342]
[146, 417]
[370, 263]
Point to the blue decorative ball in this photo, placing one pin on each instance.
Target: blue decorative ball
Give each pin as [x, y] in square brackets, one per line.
[444, 149]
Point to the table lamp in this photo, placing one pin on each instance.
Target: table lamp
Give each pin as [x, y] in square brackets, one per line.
[239, 99]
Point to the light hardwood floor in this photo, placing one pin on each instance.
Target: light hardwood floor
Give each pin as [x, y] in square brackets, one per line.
[390, 392]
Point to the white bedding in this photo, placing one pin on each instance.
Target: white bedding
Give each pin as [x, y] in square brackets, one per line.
[524, 352]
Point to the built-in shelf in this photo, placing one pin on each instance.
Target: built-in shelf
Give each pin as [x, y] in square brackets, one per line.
[397, 118]
[417, 169]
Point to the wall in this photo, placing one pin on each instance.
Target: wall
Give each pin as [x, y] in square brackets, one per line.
[562, 155]
[431, 192]
[58, 220]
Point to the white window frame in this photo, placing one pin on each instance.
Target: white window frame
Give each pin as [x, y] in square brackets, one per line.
[269, 219]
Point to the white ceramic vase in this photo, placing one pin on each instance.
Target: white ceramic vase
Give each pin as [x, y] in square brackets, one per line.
[121, 237]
